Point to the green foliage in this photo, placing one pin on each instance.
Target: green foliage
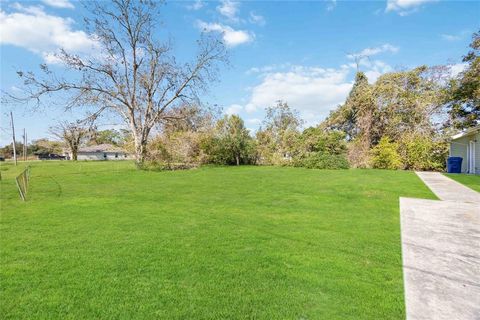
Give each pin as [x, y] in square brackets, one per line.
[109, 136]
[355, 115]
[406, 102]
[397, 103]
[422, 152]
[317, 160]
[176, 150]
[464, 92]
[231, 143]
[320, 149]
[315, 139]
[385, 155]
[277, 140]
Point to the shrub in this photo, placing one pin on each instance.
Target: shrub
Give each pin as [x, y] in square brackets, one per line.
[175, 151]
[230, 143]
[358, 154]
[316, 160]
[422, 152]
[157, 165]
[385, 155]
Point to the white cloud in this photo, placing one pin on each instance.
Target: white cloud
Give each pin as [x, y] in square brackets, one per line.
[65, 4]
[368, 52]
[250, 107]
[451, 37]
[254, 121]
[257, 19]
[231, 36]
[456, 69]
[455, 37]
[233, 109]
[331, 5]
[196, 5]
[311, 90]
[268, 68]
[33, 29]
[229, 9]
[375, 69]
[405, 7]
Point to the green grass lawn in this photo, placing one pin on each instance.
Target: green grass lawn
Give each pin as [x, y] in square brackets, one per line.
[102, 240]
[471, 181]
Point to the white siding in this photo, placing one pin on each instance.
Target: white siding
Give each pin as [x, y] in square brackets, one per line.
[477, 153]
[101, 156]
[459, 148]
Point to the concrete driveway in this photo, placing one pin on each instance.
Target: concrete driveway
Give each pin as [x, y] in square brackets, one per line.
[441, 251]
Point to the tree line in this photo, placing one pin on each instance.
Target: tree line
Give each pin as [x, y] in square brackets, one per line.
[400, 121]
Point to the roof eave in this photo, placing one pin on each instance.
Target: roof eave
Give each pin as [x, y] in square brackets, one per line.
[470, 131]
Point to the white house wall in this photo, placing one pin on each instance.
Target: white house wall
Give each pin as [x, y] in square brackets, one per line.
[477, 152]
[100, 156]
[459, 148]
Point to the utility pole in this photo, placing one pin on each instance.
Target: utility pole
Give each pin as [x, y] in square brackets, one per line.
[24, 145]
[13, 138]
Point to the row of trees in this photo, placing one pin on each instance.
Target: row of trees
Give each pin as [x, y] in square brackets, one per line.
[399, 106]
[226, 141]
[402, 121]
[134, 75]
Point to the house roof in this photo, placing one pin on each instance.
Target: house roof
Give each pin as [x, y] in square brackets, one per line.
[104, 147]
[467, 132]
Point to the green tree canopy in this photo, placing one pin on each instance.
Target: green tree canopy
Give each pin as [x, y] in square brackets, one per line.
[464, 98]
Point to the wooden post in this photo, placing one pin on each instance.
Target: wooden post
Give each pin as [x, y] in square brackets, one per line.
[24, 151]
[13, 138]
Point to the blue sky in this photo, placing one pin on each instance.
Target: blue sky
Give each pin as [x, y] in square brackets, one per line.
[301, 52]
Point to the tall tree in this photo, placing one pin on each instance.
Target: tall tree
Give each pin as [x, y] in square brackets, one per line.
[278, 136]
[233, 138]
[348, 117]
[72, 134]
[464, 98]
[109, 136]
[356, 118]
[406, 102]
[133, 74]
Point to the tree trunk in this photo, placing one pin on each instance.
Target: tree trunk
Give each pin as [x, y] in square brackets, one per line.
[74, 150]
[140, 152]
[237, 158]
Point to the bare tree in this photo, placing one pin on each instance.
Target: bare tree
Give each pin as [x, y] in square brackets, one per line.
[133, 74]
[72, 134]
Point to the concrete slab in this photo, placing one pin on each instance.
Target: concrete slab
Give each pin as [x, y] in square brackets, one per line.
[448, 189]
[441, 258]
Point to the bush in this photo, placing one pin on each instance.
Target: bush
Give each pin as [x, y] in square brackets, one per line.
[322, 161]
[230, 143]
[385, 155]
[156, 165]
[420, 152]
[178, 150]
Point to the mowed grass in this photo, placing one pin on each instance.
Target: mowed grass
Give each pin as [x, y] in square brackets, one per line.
[471, 181]
[103, 240]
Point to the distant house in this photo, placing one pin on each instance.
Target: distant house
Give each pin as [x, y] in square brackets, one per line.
[100, 152]
[467, 145]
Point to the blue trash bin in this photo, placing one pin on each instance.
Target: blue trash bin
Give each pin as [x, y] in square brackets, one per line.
[454, 165]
